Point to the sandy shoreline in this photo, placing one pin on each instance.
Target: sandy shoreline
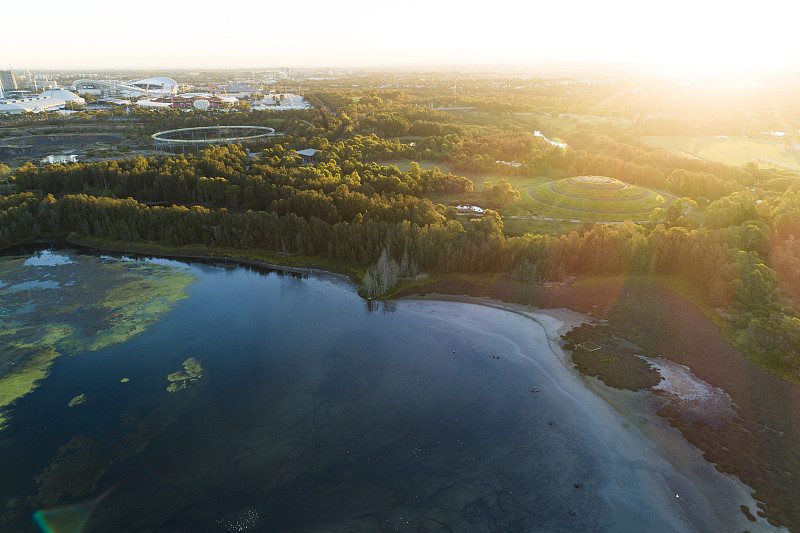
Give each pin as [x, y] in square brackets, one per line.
[673, 478]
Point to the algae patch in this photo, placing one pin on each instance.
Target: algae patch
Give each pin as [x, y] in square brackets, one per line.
[192, 371]
[88, 303]
[73, 472]
[77, 400]
[27, 363]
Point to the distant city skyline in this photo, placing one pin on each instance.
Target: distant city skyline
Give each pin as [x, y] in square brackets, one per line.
[700, 36]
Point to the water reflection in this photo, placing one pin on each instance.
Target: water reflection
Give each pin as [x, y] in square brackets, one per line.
[385, 306]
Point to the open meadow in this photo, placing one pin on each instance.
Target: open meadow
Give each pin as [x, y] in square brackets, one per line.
[732, 150]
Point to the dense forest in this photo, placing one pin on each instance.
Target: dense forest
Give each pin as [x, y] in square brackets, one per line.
[733, 239]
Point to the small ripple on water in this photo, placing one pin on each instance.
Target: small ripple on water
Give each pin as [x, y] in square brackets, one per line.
[241, 521]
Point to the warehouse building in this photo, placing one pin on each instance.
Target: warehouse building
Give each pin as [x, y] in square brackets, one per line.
[52, 100]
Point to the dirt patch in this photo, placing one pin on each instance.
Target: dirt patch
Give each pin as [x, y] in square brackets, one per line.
[598, 351]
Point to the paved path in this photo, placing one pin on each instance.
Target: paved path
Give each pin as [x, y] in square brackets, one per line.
[575, 220]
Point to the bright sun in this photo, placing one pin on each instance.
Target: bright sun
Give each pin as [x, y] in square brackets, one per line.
[696, 35]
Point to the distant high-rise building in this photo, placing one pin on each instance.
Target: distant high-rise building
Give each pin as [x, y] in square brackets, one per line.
[8, 82]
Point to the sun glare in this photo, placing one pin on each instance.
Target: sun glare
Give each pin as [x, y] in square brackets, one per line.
[705, 36]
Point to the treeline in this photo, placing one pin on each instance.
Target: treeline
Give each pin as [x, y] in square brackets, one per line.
[225, 177]
[436, 245]
[727, 277]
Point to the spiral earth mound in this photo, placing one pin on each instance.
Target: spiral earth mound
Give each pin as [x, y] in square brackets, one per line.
[596, 198]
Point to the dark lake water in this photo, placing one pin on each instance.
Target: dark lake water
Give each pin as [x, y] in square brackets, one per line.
[318, 412]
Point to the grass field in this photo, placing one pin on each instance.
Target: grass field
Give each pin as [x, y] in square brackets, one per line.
[542, 210]
[521, 226]
[562, 125]
[477, 179]
[732, 150]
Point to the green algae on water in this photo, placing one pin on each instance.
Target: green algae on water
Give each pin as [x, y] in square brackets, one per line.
[77, 400]
[192, 371]
[29, 361]
[86, 304]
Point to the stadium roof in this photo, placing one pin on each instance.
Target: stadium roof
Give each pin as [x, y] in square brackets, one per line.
[147, 87]
[164, 84]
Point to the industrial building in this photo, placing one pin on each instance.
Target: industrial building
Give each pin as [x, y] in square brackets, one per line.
[8, 82]
[192, 101]
[59, 159]
[281, 102]
[201, 101]
[107, 104]
[146, 102]
[51, 100]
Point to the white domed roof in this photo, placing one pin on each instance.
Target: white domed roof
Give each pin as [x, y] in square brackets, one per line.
[61, 94]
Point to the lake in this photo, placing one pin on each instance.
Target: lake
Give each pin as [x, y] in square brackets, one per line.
[209, 397]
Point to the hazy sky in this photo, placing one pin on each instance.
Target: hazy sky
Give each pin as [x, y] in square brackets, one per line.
[698, 34]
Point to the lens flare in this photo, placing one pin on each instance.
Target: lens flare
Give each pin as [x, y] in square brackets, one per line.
[67, 519]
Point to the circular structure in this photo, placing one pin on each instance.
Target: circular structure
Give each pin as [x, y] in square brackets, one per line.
[596, 182]
[194, 139]
[597, 198]
[598, 188]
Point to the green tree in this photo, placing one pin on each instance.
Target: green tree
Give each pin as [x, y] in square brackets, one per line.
[490, 224]
[5, 171]
[504, 193]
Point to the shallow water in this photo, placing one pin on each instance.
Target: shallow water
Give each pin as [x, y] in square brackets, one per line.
[318, 412]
